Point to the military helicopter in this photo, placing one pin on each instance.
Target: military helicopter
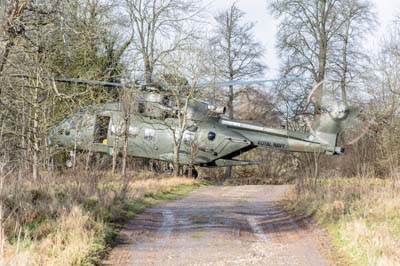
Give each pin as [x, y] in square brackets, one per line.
[218, 139]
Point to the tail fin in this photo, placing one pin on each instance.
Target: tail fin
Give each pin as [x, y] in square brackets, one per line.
[335, 117]
[327, 126]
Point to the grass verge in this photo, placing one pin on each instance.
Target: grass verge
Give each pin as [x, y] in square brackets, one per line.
[361, 215]
[71, 220]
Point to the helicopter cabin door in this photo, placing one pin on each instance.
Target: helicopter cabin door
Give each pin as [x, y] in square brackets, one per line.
[101, 129]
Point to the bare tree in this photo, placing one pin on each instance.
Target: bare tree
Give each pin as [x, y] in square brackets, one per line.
[389, 59]
[52, 38]
[161, 28]
[12, 26]
[128, 101]
[236, 54]
[182, 72]
[306, 32]
[320, 40]
[350, 59]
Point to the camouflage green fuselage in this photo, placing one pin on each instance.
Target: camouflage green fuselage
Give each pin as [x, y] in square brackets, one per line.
[207, 140]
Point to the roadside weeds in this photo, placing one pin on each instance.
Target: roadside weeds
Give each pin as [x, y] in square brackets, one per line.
[360, 216]
[71, 220]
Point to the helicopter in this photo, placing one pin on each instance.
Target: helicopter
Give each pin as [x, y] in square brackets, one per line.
[219, 140]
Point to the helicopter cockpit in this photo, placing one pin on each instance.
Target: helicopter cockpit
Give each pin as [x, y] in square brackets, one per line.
[70, 126]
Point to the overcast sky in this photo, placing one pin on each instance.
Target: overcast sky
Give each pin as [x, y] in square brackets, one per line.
[266, 27]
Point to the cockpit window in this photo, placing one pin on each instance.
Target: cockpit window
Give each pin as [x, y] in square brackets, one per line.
[149, 134]
[73, 123]
[64, 123]
[188, 137]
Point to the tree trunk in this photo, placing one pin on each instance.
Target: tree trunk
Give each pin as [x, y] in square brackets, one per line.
[4, 58]
[25, 154]
[176, 159]
[148, 70]
[190, 170]
[230, 102]
[125, 152]
[7, 50]
[115, 154]
[343, 81]
[35, 138]
[322, 57]
[228, 171]
[74, 151]
[88, 158]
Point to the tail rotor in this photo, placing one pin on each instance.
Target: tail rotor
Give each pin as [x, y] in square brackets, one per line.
[336, 115]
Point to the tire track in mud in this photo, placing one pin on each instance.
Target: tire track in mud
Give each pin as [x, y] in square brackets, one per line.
[217, 226]
[257, 229]
[166, 228]
[162, 234]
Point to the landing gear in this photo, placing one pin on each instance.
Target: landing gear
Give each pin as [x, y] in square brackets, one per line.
[194, 173]
[170, 169]
[70, 162]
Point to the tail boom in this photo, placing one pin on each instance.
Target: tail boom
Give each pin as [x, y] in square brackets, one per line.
[285, 139]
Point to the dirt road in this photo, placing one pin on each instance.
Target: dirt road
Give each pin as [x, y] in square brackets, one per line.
[215, 226]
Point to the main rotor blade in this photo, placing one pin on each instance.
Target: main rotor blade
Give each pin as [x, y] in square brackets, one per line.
[76, 81]
[245, 82]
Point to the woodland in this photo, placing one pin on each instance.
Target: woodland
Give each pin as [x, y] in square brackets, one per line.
[52, 215]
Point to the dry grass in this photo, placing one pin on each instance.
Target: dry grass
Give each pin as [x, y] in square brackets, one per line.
[70, 219]
[362, 216]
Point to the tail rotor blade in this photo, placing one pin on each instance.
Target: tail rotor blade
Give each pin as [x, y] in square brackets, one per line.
[364, 131]
[315, 88]
[337, 114]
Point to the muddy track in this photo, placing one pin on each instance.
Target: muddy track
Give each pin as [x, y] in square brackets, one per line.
[242, 225]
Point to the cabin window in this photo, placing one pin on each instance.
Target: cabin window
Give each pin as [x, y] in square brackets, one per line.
[166, 101]
[149, 134]
[193, 128]
[117, 128]
[101, 129]
[133, 131]
[76, 122]
[141, 108]
[188, 137]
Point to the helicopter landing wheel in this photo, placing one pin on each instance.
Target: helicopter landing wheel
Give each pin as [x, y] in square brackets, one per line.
[170, 169]
[195, 174]
[69, 163]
